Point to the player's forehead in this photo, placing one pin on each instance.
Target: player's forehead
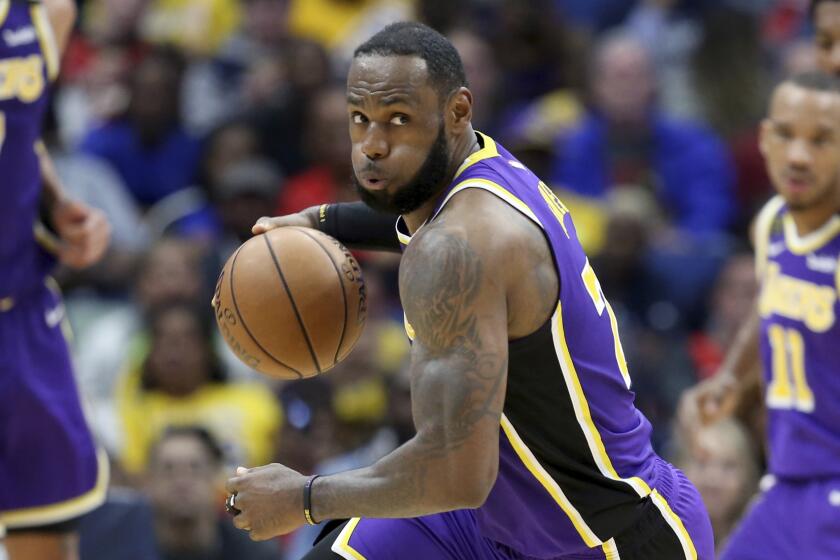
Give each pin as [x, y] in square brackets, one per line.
[800, 105]
[384, 80]
[827, 17]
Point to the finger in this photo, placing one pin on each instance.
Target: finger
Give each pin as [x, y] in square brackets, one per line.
[259, 535]
[74, 210]
[74, 233]
[263, 225]
[241, 470]
[232, 484]
[242, 521]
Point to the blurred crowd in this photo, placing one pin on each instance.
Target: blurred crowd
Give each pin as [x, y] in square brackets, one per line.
[186, 120]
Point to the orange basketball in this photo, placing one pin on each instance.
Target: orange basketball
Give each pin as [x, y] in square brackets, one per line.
[291, 303]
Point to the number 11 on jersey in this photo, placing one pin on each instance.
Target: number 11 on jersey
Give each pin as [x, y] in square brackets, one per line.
[789, 386]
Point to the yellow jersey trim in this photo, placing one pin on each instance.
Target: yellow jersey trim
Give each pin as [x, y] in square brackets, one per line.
[409, 330]
[488, 151]
[676, 524]
[483, 184]
[610, 550]
[551, 486]
[596, 444]
[342, 547]
[404, 239]
[581, 408]
[814, 240]
[763, 222]
[49, 48]
[496, 189]
[62, 511]
[4, 10]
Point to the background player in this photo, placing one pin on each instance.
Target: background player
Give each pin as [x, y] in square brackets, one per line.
[528, 443]
[49, 469]
[797, 238]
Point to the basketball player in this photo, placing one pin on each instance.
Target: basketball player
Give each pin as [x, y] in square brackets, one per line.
[528, 444]
[49, 469]
[795, 330]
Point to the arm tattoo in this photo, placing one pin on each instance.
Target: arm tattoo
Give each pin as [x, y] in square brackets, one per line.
[439, 291]
[441, 287]
[459, 375]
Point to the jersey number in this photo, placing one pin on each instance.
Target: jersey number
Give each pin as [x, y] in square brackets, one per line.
[601, 304]
[789, 387]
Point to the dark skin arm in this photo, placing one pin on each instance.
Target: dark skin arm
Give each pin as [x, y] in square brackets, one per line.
[455, 283]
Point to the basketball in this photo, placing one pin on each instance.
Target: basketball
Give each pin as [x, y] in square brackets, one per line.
[291, 303]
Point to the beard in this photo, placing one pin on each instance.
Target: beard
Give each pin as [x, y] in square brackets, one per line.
[425, 184]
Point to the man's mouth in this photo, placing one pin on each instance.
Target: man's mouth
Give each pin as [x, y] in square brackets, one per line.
[374, 183]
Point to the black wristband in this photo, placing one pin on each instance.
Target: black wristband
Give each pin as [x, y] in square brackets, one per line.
[358, 226]
[307, 499]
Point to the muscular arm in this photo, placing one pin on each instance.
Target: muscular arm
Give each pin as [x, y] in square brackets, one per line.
[459, 373]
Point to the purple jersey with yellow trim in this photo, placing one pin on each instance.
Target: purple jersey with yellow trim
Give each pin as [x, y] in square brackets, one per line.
[28, 60]
[50, 470]
[800, 342]
[576, 466]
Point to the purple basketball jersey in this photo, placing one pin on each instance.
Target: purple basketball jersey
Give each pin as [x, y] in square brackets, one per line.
[576, 463]
[28, 59]
[800, 342]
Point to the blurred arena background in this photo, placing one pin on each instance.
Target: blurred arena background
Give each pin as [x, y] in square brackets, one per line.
[186, 120]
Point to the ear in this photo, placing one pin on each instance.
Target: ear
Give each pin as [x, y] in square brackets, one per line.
[459, 110]
[764, 136]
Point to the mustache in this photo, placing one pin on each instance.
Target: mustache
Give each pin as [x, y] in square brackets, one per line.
[371, 167]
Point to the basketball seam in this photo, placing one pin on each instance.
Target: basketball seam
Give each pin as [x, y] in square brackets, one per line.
[343, 293]
[294, 305]
[245, 325]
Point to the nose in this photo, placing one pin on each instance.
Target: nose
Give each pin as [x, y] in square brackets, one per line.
[375, 143]
[798, 154]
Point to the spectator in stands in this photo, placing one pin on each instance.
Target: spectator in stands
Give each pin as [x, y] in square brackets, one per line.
[181, 381]
[625, 139]
[148, 146]
[722, 462]
[124, 523]
[116, 342]
[731, 301]
[196, 27]
[328, 148]
[246, 191]
[184, 483]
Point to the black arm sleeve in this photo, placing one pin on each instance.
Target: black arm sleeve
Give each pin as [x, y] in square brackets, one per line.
[358, 226]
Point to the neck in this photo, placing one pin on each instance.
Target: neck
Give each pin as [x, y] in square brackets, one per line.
[465, 145]
[187, 535]
[810, 219]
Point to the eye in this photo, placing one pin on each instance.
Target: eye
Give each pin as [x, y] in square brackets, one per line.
[783, 133]
[824, 43]
[820, 141]
[358, 118]
[399, 119]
